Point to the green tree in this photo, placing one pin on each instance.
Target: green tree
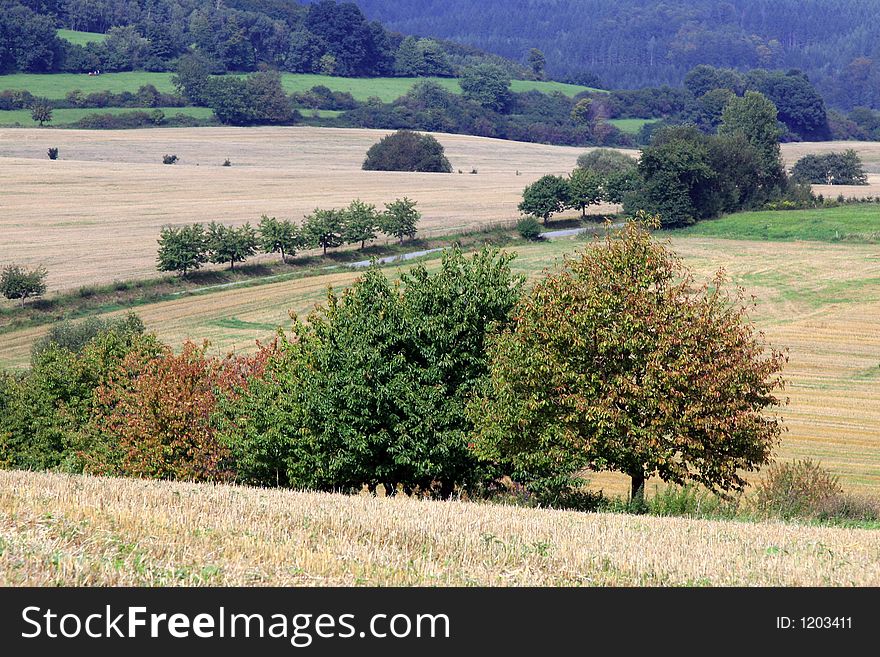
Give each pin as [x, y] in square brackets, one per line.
[182, 249]
[487, 85]
[581, 112]
[373, 388]
[191, 78]
[278, 236]
[41, 111]
[754, 116]
[619, 361]
[831, 169]
[360, 222]
[230, 244]
[400, 219]
[22, 284]
[584, 189]
[537, 63]
[545, 197]
[323, 228]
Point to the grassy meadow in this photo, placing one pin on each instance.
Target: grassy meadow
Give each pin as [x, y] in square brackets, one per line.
[80, 38]
[114, 532]
[58, 85]
[72, 115]
[630, 126]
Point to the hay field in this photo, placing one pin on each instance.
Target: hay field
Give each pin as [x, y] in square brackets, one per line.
[94, 215]
[820, 300]
[75, 531]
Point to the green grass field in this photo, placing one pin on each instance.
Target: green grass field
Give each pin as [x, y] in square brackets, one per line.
[57, 85]
[851, 223]
[631, 126]
[81, 38]
[67, 116]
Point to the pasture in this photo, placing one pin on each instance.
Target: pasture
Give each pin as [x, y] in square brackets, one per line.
[72, 115]
[58, 85]
[106, 197]
[819, 300]
[79, 38]
[115, 532]
[631, 126]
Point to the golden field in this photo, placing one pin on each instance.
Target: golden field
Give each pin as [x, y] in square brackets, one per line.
[94, 215]
[65, 530]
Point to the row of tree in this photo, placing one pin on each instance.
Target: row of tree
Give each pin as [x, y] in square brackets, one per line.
[184, 249]
[446, 380]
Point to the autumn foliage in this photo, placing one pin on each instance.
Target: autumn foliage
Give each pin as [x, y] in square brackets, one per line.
[153, 419]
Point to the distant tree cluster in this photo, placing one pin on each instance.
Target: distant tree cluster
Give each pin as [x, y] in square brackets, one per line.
[327, 37]
[831, 169]
[185, 249]
[602, 176]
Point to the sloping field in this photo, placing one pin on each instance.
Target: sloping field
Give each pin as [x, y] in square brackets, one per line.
[75, 531]
[819, 300]
[94, 215]
[869, 151]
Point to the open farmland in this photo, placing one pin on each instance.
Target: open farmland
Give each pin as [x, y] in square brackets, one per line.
[819, 300]
[106, 532]
[104, 201]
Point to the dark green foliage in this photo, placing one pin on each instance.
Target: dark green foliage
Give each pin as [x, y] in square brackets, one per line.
[279, 236]
[488, 86]
[545, 197]
[373, 388]
[22, 284]
[800, 106]
[400, 219]
[74, 336]
[257, 99]
[606, 161]
[182, 249]
[529, 228]
[52, 152]
[407, 151]
[323, 229]
[230, 244]
[27, 41]
[831, 169]
[169, 159]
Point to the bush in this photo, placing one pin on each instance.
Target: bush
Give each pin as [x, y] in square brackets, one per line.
[405, 150]
[529, 229]
[53, 153]
[18, 283]
[227, 162]
[690, 501]
[169, 159]
[797, 489]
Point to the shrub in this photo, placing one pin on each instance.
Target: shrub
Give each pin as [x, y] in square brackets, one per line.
[796, 489]
[690, 500]
[21, 284]
[169, 159]
[227, 163]
[529, 228]
[52, 153]
[405, 150]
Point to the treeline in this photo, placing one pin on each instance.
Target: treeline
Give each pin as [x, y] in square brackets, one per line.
[238, 35]
[184, 249]
[633, 44]
[445, 381]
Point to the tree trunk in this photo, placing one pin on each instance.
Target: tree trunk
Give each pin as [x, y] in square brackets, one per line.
[232, 264]
[637, 491]
[362, 244]
[283, 259]
[325, 249]
[583, 211]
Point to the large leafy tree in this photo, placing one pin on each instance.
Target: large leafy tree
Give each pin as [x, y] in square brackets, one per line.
[754, 117]
[279, 236]
[373, 388]
[620, 361]
[487, 85]
[360, 222]
[19, 283]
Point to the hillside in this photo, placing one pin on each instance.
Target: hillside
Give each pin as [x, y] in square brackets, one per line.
[636, 43]
[127, 532]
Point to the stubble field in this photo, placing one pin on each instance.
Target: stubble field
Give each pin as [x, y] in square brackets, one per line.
[130, 532]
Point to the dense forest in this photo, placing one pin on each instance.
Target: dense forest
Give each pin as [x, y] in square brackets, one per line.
[234, 35]
[638, 43]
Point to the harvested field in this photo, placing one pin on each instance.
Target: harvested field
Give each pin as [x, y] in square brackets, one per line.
[94, 215]
[869, 151]
[75, 531]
